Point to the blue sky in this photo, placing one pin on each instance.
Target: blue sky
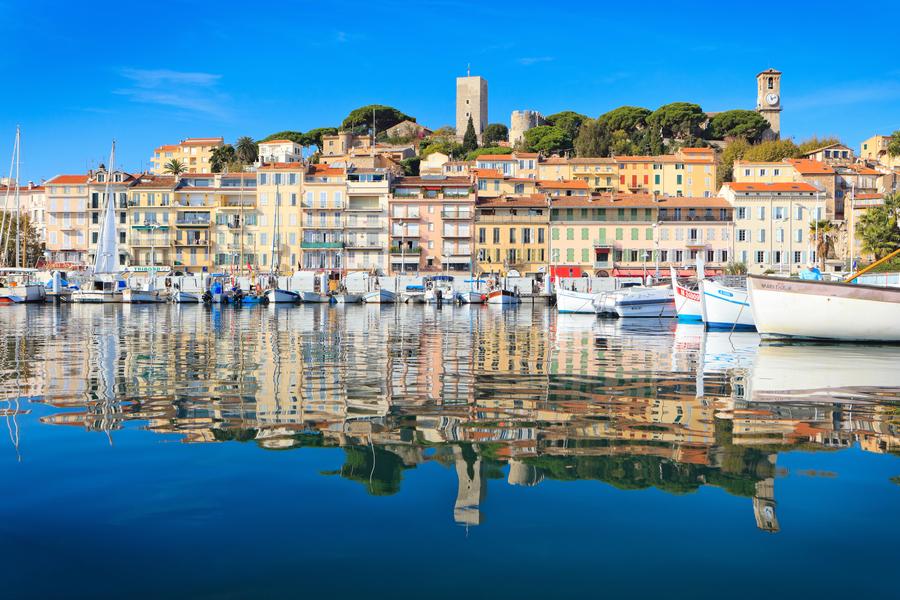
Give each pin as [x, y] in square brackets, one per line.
[80, 74]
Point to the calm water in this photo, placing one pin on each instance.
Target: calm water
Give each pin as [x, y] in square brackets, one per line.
[411, 451]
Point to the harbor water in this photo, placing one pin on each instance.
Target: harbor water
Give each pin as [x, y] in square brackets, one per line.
[387, 451]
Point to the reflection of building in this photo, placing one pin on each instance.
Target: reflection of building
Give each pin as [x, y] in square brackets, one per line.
[764, 505]
[472, 488]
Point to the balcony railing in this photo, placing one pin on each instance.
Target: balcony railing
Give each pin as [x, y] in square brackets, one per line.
[321, 244]
[456, 214]
[192, 242]
[193, 222]
[413, 250]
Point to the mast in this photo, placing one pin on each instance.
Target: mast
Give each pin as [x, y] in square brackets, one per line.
[106, 259]
[6, 221]
[275, 226]
[241, 216]
[19, 257]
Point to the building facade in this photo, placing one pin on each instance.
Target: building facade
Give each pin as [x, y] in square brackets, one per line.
[193, 153]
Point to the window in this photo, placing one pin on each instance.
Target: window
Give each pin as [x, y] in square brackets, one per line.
[798, 256]
[746, 172]
[540, 235]
[585, 233]
[798, 235]
[762, 236]
[526, 235]
[779, 236]
[778, 212]
[512, 235]
[570, 233]
[760, 256]
[776, 257]
[634, 233]
[570, 254]
[776, 172]
[648, 234]
[482, 235]
[762, 172]
[554, 233]
[496, 237]
[742, 235]
[741, 212]
[619, 233]
[761, 213]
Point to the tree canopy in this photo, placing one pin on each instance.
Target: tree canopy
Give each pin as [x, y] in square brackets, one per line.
[493, 133]
[625, 118]
[221, 157]
[313, 137]
[246, 149]
[569, 121]
[482, 151]
[878, 230]
[678, 120]
[360, 120]
[547, 139]
[815, 142]
[34, 247]
[747, 124]
[294, 136]
[894, 145]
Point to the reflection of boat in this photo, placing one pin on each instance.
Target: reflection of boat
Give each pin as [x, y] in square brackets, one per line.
[380, 296]
[725, 307]
[651, 302]
[570, 301]
[826, 373]
[793, 308]
[504, 297]
[687, 301]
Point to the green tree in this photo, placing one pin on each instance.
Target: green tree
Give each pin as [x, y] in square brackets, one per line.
[821, 234]
[772, 150]
[294, 136]
[736, 268]
[313, 137]
[482, 151]
[569, 121]
[547, 139]
[620, 143]
[678, 120]
[174, 167]
[625, 118]
[33, 246]
[747, 124]
[470, 138]
[246, 149]
[592, 140]
[493, 133]
[732, 152]
[411, 165]
[878, 229]
[894, 145]
[815, 142]
[222, 157]
[360, 120]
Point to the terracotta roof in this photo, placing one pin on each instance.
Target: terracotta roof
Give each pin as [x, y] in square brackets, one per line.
[806, 166]
[155, 181]
[556, 160]
[295, 166]
[564, 185]
[202, 141]
[771, 187]
[531, 201]
[697, 150]
[168, 147]
[825, 148]
[490, 157]
[426, 182]
[60, 179]
[277, 142]
[488, 173]
[869, 196]
[636, 158]
[526, 155]
[590, 161]
[639, 201]
[864, 170]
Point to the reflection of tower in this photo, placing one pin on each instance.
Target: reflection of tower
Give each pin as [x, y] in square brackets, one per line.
[472, 488]
[764, 503]
[521, 473]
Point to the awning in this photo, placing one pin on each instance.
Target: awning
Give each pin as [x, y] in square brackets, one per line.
[663, 271]
[565, 271]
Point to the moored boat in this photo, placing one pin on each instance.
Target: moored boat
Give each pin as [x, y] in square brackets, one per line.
[18, 286]
[278, 296]
[645, 302]
[570, 301]
[347, 298]
[471, 297]
[379, 296]
[687, 301]
[314, 297]
[501, 296]
[725, 307]
[182, 297]
[820, 310]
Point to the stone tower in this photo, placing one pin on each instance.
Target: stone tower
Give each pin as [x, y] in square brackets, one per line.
[521, 121]
[768, 100]
[471, 101]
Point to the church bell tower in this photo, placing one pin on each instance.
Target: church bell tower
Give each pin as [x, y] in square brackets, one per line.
[768, 100]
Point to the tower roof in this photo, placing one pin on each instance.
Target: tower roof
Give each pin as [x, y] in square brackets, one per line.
[769, 71]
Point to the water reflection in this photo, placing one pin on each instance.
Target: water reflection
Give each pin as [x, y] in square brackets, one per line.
[524, 395]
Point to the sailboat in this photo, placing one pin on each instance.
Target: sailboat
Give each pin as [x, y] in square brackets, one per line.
[17, 284]
[275, 294]
[106, 283]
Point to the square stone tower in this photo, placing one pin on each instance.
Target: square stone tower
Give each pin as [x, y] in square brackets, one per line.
[471, 101]
[768, 100]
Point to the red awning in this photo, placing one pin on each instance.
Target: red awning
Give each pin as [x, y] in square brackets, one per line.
[663, 272]
[565, 271]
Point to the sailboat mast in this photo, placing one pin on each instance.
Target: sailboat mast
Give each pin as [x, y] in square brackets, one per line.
[106, 251]
[275, 226]
[5, 218]
[241, 242]
[18, 205]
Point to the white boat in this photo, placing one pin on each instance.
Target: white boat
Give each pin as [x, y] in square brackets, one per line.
[439, 286]
[379, 296]
[314, 297]
[187, 297]
[106, 284]
[471, 297]
[795, 308]
[645, 302]
[504, 297]
[277, 296]
[687, 301]
[348, 298]
[725, 307]
[134, 293]
[18, 286]
[570, 301]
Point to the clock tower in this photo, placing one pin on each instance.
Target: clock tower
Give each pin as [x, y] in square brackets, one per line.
[768, 100]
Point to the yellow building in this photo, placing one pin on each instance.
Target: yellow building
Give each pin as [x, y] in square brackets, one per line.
[324, 190]
[600, 174]
[746, 171]
[238, 222]
[279, 193]
[491, 183]
[194, 204]
[876, 149]
[151, 219]
[194, 153]
[511, 234]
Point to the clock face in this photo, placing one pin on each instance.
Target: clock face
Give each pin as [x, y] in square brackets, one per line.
[772, 99]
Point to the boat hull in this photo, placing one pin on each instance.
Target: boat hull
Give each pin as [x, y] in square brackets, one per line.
[379, 297]
[503, 297]
[725, 307]
[348, 298]
[97, 296]
[818, 310]
[687, 301]
[314, 297]
[16, 294]
[568, 301]
[282, 297]
[471, 297]
[187, 298]
[648, 303]
[130, 296]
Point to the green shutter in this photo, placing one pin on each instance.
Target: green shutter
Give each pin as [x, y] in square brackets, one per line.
[570, 233]
[619, 233]
[585, 235]
[656, 179]
[603, 235]
[634, 233]
[585, 255]
[555, 234]
[570, 255]
[649, 234]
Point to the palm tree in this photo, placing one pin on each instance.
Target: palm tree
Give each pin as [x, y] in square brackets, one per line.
[821, 233]
[878, 228]
[221, 157]
[247, 150]
[736, 268]
[175, 167]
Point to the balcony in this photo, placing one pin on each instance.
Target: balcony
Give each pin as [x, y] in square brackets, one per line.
[321, 245]
[514, 219]
[601, 264]
[192, 242]
[457, 214]
[412, 250]
[192, 222]
[457, 234]
[364, 245]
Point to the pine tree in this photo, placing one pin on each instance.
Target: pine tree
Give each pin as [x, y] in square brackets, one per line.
[470, 139]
